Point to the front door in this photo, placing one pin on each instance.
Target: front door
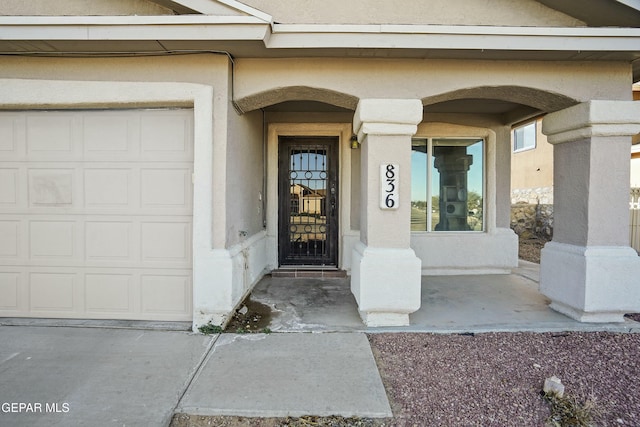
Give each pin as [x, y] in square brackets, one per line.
[308, 201]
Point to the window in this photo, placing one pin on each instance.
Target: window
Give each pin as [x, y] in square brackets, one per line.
[524, 137]
[447, 184]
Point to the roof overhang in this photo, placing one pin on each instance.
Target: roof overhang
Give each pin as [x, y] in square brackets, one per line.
[613, 13]
[251, 36]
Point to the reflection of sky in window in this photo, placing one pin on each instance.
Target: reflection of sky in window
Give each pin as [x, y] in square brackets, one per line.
[419, 174]
[313, 162]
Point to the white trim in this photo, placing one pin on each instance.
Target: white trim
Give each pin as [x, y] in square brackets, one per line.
[259, 26]
[183, 27]
[33, 21]
[454, 37]
[207, 7]
[452, 29]
[635, 4]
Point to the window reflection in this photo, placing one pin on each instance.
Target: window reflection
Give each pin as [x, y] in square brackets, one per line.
[307, 231]
[447, 184]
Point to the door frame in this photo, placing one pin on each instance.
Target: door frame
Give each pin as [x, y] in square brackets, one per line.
[343, 131]
[332, 197]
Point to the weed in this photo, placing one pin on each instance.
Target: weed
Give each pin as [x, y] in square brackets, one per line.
[242, 330]
[266, 331]
[210, 329]
[568, 411]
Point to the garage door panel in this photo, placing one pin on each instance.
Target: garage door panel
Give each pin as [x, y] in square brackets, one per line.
[166, 136]
[10, 239]
[106, 293]
[166, 187]
[166, 294]
[98, 293]
[10, 126]
[52, 187]
[110, 136]
[9, 179]
[11, 290]
[53, 239]
[96, 214]
[107, 241]
[53, 292]
[105, 187]
[51, 136]
[166, 242]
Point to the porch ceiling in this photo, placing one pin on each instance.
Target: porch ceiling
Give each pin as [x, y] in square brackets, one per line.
[505, 111]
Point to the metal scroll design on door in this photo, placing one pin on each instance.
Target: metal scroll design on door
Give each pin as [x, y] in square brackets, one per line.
[308, 209]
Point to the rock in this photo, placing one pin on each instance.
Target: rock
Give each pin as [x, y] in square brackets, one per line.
[553, 385]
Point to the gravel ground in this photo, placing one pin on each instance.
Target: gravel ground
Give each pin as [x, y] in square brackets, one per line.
[495, 379]
[529, 249]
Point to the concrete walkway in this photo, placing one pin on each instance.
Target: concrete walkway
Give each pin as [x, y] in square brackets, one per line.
[116, 374]
[450, 304]
[280, 375]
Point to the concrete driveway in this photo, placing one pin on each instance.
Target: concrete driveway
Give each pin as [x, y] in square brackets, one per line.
[57, 376]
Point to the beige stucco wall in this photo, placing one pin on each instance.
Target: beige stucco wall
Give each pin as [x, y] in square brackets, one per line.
[533, 168]
[244, 203]
[449, 12]
[81, 7]
[257, 79]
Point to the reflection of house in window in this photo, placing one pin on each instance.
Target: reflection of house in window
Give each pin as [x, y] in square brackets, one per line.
[305, 200]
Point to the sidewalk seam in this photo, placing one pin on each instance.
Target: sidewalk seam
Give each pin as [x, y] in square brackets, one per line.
[194, 375]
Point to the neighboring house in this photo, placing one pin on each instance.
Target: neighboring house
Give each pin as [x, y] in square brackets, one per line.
[635, 148]
[149, 148]
[532, 175]
[531, 164]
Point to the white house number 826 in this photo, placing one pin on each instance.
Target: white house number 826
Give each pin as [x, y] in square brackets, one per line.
[390, 188]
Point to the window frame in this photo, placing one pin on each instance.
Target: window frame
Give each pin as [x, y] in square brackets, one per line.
[522, 126]
[429, 175]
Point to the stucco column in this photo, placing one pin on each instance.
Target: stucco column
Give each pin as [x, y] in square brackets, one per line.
[385, 274]
[589, 271]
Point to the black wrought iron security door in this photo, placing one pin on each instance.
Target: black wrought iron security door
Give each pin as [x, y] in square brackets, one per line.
[308, 201]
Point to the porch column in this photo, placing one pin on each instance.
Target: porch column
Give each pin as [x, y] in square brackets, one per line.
[589, 271]
[385, 274]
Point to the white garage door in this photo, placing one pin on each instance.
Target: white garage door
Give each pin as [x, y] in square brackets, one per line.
[95, 214]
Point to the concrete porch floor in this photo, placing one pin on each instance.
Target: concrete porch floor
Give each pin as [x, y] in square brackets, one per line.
[450, 304]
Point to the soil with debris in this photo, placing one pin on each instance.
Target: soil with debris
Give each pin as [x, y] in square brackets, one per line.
[183, 420]
[529, 248]
[492, 379]
[250, 317]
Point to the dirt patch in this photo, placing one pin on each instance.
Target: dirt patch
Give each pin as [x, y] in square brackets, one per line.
[529, 248]
[184, 420]
[250, 317]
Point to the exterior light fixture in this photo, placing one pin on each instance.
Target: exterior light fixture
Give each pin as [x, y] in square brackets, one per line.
[354, 142]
